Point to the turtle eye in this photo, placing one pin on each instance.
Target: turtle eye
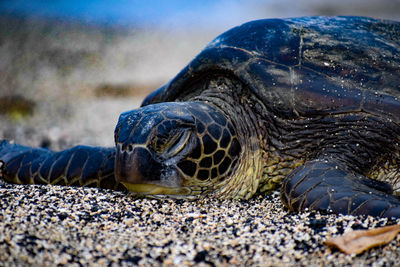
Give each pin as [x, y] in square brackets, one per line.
[178, 143]
[171, 144]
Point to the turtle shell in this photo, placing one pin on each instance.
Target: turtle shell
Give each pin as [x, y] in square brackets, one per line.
[305, 66]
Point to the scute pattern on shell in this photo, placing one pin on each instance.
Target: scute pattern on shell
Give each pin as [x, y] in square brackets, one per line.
[306, 66]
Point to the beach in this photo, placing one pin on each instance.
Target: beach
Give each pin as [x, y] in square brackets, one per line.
[65, 85]
[53, 225]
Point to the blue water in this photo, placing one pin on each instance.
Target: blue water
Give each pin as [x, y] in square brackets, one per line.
[209, 14]
[158, 13]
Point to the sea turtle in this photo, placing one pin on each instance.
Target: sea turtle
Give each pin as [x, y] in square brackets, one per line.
[308, 105]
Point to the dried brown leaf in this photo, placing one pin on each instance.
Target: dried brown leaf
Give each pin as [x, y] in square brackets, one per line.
[358, 241]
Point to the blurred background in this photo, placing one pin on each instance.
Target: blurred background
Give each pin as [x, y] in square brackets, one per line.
[69, 67]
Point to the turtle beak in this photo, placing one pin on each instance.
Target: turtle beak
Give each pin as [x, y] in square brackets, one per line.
[140, 173]
[136, 166]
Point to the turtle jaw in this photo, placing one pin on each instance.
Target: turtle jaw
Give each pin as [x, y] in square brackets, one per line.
[140, 173]
[153, 189]
[136, 165]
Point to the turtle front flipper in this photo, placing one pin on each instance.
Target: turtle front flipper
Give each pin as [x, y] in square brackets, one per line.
[328, 186]
[77, 166]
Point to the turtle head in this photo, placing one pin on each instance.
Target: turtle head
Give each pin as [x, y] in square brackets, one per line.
[175, 148]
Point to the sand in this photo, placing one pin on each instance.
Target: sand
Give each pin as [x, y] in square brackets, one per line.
[53, 225]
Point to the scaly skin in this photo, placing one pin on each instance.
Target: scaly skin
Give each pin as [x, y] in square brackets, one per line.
[78, 166]
[328, 186]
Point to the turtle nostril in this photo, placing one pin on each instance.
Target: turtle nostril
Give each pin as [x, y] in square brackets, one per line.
[130, 148]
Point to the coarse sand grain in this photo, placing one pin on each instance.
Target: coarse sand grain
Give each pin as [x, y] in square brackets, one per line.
[51, 225]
